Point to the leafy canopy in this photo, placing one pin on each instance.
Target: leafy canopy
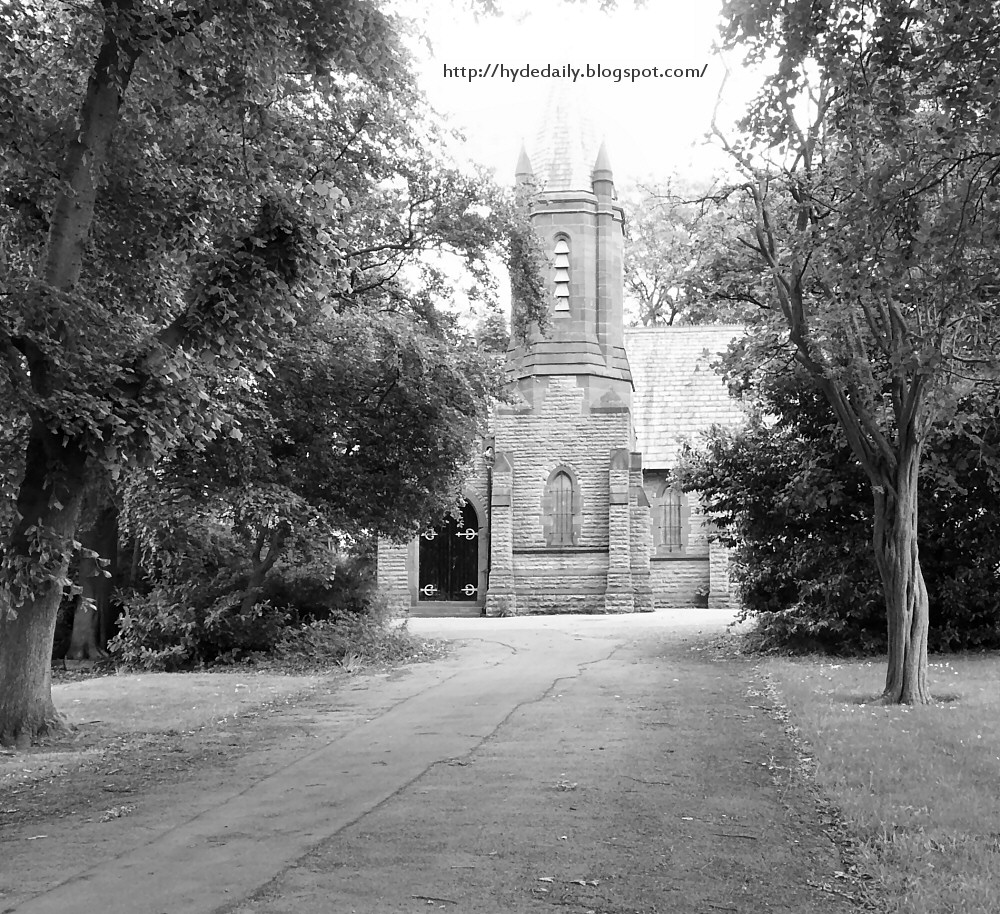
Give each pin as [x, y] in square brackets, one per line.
[793, 505]
[268, 165]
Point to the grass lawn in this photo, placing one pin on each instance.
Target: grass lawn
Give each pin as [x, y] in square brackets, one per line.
[919, 786]
[111, 709]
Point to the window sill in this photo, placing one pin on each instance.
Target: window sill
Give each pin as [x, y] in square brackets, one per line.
[677, 556]
[548, 550]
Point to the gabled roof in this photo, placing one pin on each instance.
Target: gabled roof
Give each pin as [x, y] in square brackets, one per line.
[677, 392]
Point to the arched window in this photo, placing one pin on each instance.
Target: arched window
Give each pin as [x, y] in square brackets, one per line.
[562, 509]
[561, 490]
[562, 274]
[670, 521]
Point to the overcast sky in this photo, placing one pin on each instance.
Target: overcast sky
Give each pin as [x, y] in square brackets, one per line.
[653, 126]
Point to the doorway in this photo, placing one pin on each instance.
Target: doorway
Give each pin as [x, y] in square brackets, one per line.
[449, 559]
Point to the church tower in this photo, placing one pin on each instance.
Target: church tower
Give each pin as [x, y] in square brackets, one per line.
[569, 522]
[555, 517]
[573, 208]
[559, 513]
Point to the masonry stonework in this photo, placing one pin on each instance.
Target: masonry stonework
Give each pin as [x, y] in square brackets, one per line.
[569, 487]
[393, 575]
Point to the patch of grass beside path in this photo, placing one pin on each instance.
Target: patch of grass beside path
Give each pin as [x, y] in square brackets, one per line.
[129, 708]
[123, 707]
[918, 786]
[161, 702]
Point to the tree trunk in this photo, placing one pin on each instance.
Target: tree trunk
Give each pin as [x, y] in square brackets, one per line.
[898, 560]
[36, 562]
[83, 636]
[95, 598]
[51, 494]
[26, 709]
[73, 208]
[107, 607]
[260, 564]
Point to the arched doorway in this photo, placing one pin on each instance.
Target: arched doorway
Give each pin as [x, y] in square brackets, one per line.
[449, 559]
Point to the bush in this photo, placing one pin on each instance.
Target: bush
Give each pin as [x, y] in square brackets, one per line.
[202, 621]
[797, 511]
[320, 588]
[350, 638]
[163, 631]
[202, 599]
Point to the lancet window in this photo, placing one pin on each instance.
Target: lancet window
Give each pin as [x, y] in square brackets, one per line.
[562, 274]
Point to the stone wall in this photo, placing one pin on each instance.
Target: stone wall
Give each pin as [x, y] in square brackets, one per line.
[558, 428]
[721, 595]
[394, 574]
[560, 581]
[680, 578]
[581, 425]
[641, 538]
[677, 581]
[530, 577]
[698, 524]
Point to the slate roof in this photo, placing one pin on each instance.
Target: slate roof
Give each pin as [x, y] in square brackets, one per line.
[677, 393]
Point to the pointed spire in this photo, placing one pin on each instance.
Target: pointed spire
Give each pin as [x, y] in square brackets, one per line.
[564, 146]
[604, 181]
[603, 163]
[523, 173]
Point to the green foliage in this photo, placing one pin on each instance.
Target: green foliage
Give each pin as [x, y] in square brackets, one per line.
[794, 505]
[868, 198]
[801, 558]
[170, 629]
[493, 333]
[527, 263]
[213, 218]
[360, 429]
[376, 421]
[182, 186]
[959, 504]
[198, 235]
[868, 184]
[313, 591]
[206, 595]
[252, 167]
[677, 233]
[368, 638]
[198, 614]
[191, 610]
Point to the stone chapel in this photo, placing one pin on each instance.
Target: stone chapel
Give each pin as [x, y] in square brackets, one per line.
[569, 506]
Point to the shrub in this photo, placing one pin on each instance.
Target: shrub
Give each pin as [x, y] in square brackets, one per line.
[207, 595]
[321, 587]
[796, 509]
[163, 631]
[201, 621]
[367, 637]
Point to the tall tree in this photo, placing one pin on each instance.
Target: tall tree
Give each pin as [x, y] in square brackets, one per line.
[796, 509]
[675, 230]
[870, 191]
[364, 429]
[171, 200]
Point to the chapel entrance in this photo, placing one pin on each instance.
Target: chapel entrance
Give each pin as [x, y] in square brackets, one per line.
[449, 559]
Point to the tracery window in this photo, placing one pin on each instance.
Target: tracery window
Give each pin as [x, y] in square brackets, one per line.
[670, 519]
[561, 490]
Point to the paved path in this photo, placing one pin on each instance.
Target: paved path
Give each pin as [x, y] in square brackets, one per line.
[601, 764]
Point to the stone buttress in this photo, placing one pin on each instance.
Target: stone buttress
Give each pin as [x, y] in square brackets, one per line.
[570, 521]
